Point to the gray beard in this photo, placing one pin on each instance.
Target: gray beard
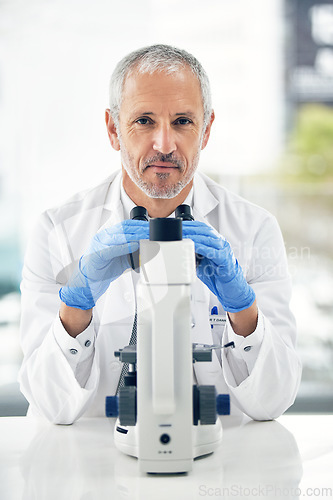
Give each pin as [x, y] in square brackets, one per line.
[155, 191]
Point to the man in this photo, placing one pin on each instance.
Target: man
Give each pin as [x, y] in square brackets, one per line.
[78, 298]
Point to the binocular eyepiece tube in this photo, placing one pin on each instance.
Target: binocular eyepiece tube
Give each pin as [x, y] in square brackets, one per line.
[161, 229]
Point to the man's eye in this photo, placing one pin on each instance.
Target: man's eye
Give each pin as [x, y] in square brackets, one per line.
[142, 121]
[183, 121]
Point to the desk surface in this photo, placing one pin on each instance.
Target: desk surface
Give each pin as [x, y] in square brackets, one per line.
[288, 458]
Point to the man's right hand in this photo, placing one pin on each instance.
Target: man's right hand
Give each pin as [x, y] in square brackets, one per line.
[105, 260]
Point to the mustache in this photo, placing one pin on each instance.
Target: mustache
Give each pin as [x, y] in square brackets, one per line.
[167, 158]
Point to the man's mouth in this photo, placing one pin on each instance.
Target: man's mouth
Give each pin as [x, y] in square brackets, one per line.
[162, 167]
[162, 164]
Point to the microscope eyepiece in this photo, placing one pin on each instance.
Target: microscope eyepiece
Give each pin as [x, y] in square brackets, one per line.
[184, 212]
[139, 213]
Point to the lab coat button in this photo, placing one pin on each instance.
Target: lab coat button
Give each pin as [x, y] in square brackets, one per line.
[73, 351]
[87, 343]
[247, 348]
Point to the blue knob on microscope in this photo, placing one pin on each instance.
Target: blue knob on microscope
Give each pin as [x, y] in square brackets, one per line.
[223, 404]
[111, 406]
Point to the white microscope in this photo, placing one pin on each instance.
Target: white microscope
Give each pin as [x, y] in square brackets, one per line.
[163, 419]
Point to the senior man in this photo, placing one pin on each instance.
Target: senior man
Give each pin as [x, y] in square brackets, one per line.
[78, 290]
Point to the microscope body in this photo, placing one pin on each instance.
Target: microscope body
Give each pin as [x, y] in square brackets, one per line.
[164, 356]
[165, 420]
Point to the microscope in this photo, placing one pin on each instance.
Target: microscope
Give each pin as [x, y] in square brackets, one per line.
[164, 419]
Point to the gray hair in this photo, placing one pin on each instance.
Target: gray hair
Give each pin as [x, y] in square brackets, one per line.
[157, 58]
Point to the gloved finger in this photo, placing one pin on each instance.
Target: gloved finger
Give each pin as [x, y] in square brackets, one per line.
[209, 252]
[223, 257]
[209, 241]
[111, 237]
[197, 227]
[204, 230]
[194, 223]
[101, 259]
[132, 226]
[134, 222]
[109, 253]
[126, 227]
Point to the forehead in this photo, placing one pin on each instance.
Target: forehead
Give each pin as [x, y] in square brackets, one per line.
[160, 89]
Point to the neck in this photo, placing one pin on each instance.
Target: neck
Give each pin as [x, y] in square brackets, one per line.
[156, 207]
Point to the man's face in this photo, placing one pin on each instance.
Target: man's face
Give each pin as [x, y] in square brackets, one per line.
[161, 131]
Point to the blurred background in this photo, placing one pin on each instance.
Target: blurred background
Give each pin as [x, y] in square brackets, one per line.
[270, 65]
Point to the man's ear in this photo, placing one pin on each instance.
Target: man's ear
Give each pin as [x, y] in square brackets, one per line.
[207, 131]
[112, 130]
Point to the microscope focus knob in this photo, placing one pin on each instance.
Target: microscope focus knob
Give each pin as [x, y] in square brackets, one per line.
[111, 406]
[127, 405]
[223, 404]
[207, 404]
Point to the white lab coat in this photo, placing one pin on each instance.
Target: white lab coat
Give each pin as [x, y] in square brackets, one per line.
[64, 378]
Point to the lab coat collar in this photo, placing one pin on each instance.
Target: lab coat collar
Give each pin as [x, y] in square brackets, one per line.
[203, 199]
[113, 200]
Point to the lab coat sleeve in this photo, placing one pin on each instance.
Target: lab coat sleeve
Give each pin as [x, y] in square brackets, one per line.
[59, 374]
[263, 371]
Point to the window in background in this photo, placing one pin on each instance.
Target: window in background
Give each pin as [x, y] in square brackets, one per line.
[300, 193]
[307, 176]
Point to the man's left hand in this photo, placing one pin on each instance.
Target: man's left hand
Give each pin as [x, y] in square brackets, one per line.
[218, 268]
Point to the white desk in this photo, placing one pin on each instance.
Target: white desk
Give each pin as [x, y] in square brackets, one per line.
[288, 458]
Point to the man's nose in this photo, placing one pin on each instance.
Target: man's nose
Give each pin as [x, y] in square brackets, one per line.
[164, 139]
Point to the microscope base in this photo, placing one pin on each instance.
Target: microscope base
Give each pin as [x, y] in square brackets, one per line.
[206, 438]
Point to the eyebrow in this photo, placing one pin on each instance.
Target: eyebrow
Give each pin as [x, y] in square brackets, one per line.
[187, 113]
[190, 114]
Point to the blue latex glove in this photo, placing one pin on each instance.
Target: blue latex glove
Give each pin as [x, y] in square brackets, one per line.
[105, 260]
[218, 267]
